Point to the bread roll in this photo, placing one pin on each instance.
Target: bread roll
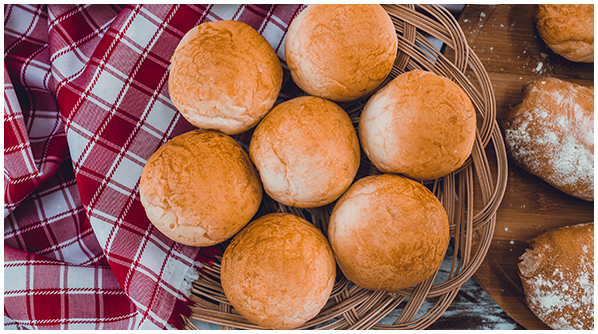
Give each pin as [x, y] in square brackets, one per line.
[388, 232]
[279, 271]
[568, 30]
[420, 125]
[225, 76]
[307, 152]
[200, 188]
[551, 135]
[341, 52]
[557, 274]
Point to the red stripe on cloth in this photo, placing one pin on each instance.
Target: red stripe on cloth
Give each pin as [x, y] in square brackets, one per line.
[181, 309]
[37, 15]
[255, 15]
[35, 158]
[106, 55]
[146, 74]
[54, 207]
[184, 19]
[42, 305]
[207, 256]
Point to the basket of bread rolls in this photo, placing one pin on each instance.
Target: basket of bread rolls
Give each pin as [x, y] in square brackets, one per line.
[335, 207]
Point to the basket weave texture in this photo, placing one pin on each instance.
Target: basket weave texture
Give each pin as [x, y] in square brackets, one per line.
[472, 216]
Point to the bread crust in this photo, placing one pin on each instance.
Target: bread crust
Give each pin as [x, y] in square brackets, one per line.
[307, 152]
[279, 271]
[567, 29]
[341, 52]
[200, 188]
[557, 274]
[551, 135]
[225, 76]
[388, 232]
[420, 125]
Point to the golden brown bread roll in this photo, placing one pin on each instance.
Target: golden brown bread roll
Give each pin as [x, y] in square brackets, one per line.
[225, 76]
[341, 52]
[278, 272]
[307, 152]
[200, 188]
[551, 135]
[567, 29]
[388, 232]
[557, 274]
[420, 125]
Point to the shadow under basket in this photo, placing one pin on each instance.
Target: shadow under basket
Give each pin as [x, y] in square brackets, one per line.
[472, 218]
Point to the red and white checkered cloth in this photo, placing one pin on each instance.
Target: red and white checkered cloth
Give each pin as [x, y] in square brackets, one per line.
[85, 105]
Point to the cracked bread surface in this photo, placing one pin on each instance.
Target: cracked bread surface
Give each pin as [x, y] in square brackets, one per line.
[557, 274]
[306, 151]
[279, 271]
[420, 125]
[224, 75]
[388, 232]
[341, 52]
[200, 188]
[567, 29]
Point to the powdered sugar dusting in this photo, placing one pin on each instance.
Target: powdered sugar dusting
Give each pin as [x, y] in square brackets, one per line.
[549, 299]
[560, 290]
[557, 146]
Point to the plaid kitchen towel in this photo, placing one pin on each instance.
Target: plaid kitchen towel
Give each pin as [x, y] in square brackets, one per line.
[85, 105]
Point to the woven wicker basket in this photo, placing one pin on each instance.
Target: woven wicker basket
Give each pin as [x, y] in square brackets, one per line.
[472, 220]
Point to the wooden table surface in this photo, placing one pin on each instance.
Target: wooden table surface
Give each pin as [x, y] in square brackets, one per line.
[504, 37]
